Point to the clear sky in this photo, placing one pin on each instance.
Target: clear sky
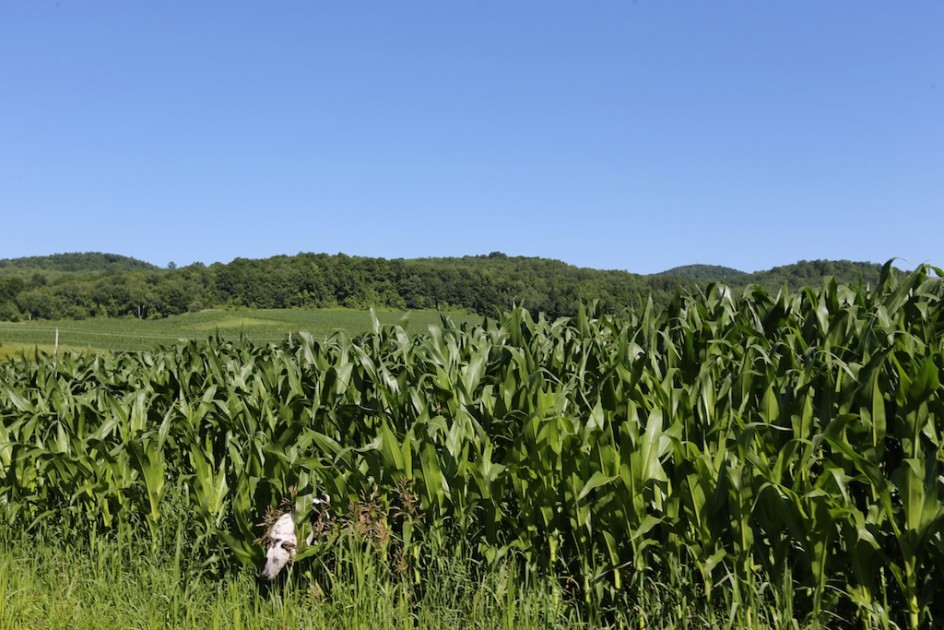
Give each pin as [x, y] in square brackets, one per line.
[609, 134]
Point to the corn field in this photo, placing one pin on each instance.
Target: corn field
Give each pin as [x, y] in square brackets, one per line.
[790, 440]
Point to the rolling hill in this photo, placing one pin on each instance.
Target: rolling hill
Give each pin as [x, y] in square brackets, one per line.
[81, 285]
[89, 262]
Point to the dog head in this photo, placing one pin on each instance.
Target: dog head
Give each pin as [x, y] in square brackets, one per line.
[280, 546]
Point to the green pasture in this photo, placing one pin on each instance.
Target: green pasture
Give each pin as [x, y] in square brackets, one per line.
[256, 325]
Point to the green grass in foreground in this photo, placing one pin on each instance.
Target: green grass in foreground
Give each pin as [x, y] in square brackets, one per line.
[56, 576]
[111, 584]
[107, 583]
[259, 325]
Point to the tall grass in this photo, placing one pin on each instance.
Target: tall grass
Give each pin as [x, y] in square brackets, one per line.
[129, 581]
[94, 581]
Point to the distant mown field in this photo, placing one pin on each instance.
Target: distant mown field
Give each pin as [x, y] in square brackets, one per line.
[259, 325]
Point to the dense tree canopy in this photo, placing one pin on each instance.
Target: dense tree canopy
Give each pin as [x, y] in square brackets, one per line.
[103, 285]
[70, 263]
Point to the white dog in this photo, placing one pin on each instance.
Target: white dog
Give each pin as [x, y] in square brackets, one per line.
[281, 543]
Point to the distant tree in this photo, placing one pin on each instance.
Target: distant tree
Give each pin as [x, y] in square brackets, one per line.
[40, 303]
[141, 296]
[10, 287]
[9, 312]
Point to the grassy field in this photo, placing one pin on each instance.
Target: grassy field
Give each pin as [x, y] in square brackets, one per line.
[259, 326]
[116, 581]
[101, 582]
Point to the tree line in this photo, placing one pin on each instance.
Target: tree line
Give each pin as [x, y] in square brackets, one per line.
[62, 287]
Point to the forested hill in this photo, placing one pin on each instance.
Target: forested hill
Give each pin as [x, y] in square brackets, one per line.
[90, 285]
[812, 272]
[90, 262]
[708, 273]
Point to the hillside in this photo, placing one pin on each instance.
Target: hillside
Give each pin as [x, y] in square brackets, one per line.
[812, 272]
[76, 286]
[709, 273]
[795, 276]
[89, 262]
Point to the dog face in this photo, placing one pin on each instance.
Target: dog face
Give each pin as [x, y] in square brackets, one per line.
[280, 546]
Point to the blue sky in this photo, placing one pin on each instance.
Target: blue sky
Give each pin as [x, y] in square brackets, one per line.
[615, 135]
